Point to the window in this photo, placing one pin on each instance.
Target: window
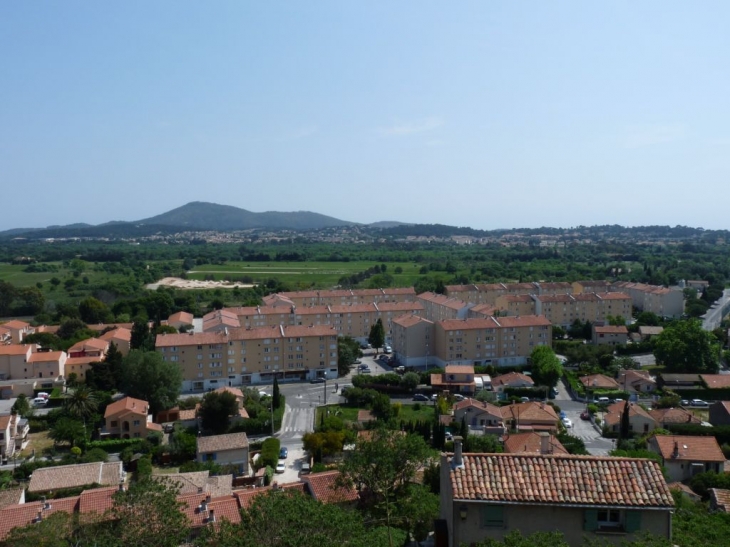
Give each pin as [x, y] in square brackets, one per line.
[136, 423]
[112, 424]
[492, 516]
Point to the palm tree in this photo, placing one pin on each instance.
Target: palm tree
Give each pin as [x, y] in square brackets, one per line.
[82, 403]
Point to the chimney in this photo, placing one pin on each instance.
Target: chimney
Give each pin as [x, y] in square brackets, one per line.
[458, 461]
[39, 516]
[121, 486]
[211, 516]
[200, 489]
[675, 452]
[544, 442]
[207, 498]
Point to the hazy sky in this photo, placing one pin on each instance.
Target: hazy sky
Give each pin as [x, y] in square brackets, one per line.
[488, 114]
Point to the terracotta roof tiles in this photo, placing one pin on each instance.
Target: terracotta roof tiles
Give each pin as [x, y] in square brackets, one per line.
[217, 443]
[324, 488]
[561, 480]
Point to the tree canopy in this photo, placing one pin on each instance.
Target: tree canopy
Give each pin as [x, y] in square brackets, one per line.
[546, 367]
[684, 347]
[146, 376]
[216, 410]
[377, 335]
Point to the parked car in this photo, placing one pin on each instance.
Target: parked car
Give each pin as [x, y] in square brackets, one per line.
[684, 402]
[168, 428]
[357, 362]
[420, 397]
[388, 349]
[555, 392]
[40, 401]
[563, 414]
[317, 381]
[698, 402]
[283, 453]
[365, 370]
[42, 394]
[280, 467]
[585, 415]
[567, 423]
[435, 397]
[524, 399]
[603, 400]
[458, 397]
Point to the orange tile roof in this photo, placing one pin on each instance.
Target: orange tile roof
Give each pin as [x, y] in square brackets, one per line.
[218, 443]
[511, 378]
[72, 476]
[46, 356]
[611, 329]
[128, 404]
[117, 334]
[16, 324]
[323, 487]
[97, 500]
[365, 416]
[10, 496]
[222, 508]
[15, 349]
[613, 413]
[24, 514]
[530, 413]
[480, 405]
[246, 497]
[181, 317]
[531, 443]
[674, 416]
[561, 480]
[410, 320]
[232, 390]
[699, 449]
[716, 381]
[598, 381]
[459, 369]
[720, 499]
[90, 344]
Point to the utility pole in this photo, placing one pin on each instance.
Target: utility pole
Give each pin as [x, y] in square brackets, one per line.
[325, 391]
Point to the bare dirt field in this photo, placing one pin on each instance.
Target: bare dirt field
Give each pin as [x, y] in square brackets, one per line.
[179, 283]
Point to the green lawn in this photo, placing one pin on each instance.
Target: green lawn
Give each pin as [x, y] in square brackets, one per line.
[408, 413]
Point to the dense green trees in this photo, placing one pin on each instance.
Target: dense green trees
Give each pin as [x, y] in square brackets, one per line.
[144, 375]
[216, 410]
[546, 367]
[348, 350]
[685, 347]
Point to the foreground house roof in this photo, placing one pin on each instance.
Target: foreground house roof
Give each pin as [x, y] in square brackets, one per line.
[323, 487]
[218, 443]
[72, 476]
[560, 480]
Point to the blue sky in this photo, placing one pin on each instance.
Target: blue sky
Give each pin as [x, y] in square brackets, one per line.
[487, 114]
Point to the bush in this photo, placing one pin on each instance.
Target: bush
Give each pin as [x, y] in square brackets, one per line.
[95, 455]
[270, 452]
[113, 445]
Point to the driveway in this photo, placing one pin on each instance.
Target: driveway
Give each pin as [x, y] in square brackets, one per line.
[583, 429]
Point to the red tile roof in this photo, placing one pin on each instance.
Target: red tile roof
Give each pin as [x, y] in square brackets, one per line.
[198, 509]
[459, 369]
[246, 497]
[716, 381]
[324, 488]
[598, 381]
[531, 443]
[14, 349]
[674, 416]
[127, 404]
[24, 514]
[97, 500]
[696, 449]
[720, 499]
[511, 378]
[611, 329]
[561, 480]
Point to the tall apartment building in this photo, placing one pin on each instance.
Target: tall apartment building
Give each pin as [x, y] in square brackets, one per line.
[412, 340]
[353, 320]
[493, 341]
[439, 307]
[240, 356]
[662, 301]
[476, 341]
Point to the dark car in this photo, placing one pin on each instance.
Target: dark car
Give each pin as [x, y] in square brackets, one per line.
[283, 453]
[420, 397]
[317, 381]
[585, 415]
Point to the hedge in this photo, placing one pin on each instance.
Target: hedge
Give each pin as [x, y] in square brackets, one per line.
[270, 452]
[720, 432]
[113, 445]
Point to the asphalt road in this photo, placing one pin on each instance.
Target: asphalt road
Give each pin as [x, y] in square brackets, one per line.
[713, 316]
[583, 429]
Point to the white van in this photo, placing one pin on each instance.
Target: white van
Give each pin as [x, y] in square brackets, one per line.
[40, 401]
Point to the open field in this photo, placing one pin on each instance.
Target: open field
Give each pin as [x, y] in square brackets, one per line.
[303, 273]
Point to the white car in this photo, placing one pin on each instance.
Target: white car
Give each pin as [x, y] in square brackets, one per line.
[280, 467]
[567, 423]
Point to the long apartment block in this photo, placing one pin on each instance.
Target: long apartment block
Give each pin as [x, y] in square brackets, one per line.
[353, 320]
[498, 341]
[341, 297]
[487, 293]
[662, 301]
[563, 309]
[241, 356]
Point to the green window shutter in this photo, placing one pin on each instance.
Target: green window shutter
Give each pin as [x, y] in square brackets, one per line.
[633, 521]
[492, 515]
[590, 520]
